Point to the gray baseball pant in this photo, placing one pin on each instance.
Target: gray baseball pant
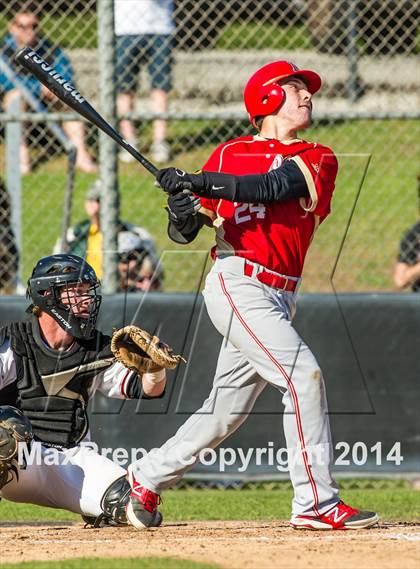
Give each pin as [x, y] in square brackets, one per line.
[260, 346]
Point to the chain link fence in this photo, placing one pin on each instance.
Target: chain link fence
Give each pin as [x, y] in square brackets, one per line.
[286, 486]
[187, 86]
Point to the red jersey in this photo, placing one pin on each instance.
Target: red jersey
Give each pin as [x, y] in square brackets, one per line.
[277, 234]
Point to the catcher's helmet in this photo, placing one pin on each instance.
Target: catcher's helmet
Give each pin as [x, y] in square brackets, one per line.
[264, 96]
[49, 285]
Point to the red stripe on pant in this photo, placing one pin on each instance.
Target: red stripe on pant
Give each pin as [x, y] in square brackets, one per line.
[291, 389]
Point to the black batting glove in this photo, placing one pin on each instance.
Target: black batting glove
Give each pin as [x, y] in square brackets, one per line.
[174, 180]
[182, 205]
[215, 185]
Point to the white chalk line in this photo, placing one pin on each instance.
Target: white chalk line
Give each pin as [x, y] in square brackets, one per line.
[68, 541]
[404, 537]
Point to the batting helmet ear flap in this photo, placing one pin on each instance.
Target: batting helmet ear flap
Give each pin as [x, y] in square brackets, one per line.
[267, 99]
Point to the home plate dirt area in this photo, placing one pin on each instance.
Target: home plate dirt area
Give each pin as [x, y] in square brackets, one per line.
[229, 544]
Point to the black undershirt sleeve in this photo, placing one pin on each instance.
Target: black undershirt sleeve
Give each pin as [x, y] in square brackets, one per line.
[284, 183]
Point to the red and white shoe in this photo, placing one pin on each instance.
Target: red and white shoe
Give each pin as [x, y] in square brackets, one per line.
[340, 516]
[142, 508]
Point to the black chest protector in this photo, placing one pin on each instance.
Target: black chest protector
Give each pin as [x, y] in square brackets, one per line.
[52, 387]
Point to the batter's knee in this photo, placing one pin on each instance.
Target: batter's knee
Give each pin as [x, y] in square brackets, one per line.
[307, 383]
[312, 386]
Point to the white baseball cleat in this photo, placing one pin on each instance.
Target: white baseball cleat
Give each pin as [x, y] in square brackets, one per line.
[340, 516]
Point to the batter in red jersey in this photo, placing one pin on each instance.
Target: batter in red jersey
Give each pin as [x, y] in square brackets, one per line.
[265, 196]
[276, 234]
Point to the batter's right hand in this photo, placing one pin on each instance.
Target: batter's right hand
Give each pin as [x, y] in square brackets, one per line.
[182, 205]
[174, 180]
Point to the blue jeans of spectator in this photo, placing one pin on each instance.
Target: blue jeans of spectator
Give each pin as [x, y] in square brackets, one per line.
[136, 50]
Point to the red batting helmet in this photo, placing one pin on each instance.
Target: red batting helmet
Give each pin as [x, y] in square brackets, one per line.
[263, 95]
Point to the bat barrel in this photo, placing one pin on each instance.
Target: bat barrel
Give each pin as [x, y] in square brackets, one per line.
[66, 92]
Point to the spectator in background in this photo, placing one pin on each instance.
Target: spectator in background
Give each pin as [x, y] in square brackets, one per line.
[144, 33]
[85, 238]
[138, 271]
[407, 267]
[8, 250]
[24, 30]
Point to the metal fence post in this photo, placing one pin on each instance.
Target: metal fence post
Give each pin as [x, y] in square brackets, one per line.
[353, 56]
[13, 177]
[107, 148]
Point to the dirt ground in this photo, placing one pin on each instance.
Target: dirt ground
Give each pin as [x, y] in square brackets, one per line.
[235, 544]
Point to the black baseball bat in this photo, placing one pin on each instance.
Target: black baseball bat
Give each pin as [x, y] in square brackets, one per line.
[66, 92]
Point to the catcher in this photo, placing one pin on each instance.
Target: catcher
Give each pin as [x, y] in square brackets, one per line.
[50, 366]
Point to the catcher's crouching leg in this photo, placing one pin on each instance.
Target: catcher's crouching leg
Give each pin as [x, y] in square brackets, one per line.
[113, 505]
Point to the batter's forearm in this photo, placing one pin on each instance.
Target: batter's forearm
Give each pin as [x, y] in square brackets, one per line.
[284, 183]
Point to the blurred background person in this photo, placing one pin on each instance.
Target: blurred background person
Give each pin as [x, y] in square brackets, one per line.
[9, 256]
[24, 30]
[138, 271]
[407, 267]
[85, 238]
[144, 34]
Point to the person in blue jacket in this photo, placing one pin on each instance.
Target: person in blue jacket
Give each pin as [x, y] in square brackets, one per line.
[24, 30]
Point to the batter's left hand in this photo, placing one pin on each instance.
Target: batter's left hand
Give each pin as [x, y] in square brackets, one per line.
[174, 180]
[182, 205]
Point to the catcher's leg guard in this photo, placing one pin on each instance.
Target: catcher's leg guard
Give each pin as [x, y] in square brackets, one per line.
[113, 505]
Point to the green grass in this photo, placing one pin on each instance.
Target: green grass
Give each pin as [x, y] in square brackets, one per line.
[113, 563]
[386, 206]
[14, 512]
[259, 35]
[392, 503]
[262, 35]
[275, 504]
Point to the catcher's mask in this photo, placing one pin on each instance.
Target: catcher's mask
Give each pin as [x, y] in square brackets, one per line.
[66, 287]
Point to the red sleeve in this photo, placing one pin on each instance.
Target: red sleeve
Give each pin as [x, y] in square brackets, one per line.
[213, 163]
[319, 166]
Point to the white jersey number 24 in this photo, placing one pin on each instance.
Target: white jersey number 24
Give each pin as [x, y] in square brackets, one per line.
[244, 211]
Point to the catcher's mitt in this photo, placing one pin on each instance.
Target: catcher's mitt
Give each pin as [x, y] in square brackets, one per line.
[15, 428]
[137, 350]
